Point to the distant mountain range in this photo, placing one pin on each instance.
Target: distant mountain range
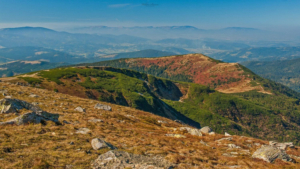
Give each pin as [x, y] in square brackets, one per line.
[189, 32]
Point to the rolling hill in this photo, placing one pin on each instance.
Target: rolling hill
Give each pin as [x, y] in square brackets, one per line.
[200, 69]
[258, 54]
[237, 113]
[285, 72]
[29, 53]
[19, 67]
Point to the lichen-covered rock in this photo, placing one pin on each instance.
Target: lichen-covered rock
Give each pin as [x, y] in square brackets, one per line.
[281, 146]
[192, 131]
[206, 130]
[14, 105]
[99, 144]
[120, 159]
[80, 109]
[102, 106]
[33, 117]
[270, 154]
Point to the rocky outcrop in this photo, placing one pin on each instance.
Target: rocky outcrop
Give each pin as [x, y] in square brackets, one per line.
[34, 117]
[14, 105]
[281, 146]
[192, 131]
[98, 144]
[120, 159]
[270, 154]
[102, 106]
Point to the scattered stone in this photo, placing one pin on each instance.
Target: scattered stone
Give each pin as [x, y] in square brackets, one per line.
[227, 134]
[120, 159]
[35, 103]
[192, 131]
[234, 153]
[80, 109]
[202, 142]
[66, 122]
[83, 131]
[102, 106]
[14, 105]
[228, 155]
[69, 166]
[34, 117]
[176, 135]
[270, 154]
[212, 133]
[95, 120]
[233, 146]
[160, 121]
[34, 96]
[206, 130]
[98, 144]
[281, 146]
[228, 138]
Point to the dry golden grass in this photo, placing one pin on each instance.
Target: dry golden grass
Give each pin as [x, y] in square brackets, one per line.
[131, 130]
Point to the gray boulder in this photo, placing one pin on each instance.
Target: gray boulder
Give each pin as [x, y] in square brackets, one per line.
[281, 146]
[99, 144]
[192, 131]
[270, 154]
[206, 130]
[80, 109]
[120, 159]
[102, 106]
[34, 117]
[14, 105]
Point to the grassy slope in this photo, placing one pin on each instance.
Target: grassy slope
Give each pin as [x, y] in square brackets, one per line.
[131, 130]
[285, 72]
[255, 114]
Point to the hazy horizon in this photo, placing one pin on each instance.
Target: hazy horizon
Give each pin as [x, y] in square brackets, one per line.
[276, 15]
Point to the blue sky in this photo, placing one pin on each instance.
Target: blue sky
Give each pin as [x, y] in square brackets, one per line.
[199, 13]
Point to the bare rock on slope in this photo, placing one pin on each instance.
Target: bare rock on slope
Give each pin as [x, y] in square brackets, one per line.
[281, 146]
[270, 154]
[14, 105]
[102, 106]
[98, 144]
[34, 117]
[206, 130]
[120, 159]
[192, 131]
[80, 109]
